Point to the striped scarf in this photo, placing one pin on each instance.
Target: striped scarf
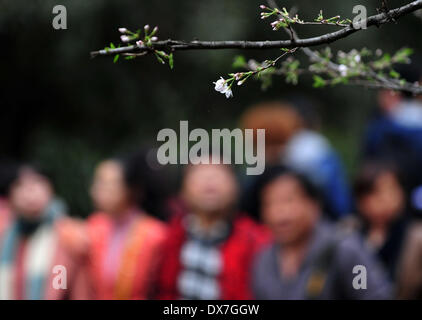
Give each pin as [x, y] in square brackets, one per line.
[38, 258]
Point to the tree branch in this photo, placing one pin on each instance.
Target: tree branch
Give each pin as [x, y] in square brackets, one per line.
[386, 83]
[175, 45]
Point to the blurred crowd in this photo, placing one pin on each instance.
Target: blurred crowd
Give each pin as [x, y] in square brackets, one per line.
[302, 230]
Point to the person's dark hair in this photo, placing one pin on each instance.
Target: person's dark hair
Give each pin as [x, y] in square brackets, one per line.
[369, 172]
[185, 170]
[252, 204]
[145, 180]
[12, 172]
[188, 167]
[8, 174]
[38, 169]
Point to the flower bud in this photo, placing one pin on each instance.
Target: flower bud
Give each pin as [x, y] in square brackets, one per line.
[146, 27]
[125, 38]
[123, 30]
[154, 38]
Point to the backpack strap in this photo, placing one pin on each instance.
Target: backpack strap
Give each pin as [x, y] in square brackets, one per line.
[323, 262]
[319, 273]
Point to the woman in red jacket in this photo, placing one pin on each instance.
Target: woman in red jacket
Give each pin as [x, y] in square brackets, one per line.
[209, 248]
[125, 242]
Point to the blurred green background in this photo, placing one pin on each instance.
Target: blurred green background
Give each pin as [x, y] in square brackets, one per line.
[67, 111]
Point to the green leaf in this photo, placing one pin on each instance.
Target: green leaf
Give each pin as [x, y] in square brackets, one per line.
[320, 17]
[160, 59]
[339, 80]
[319, 82]
[382, 63]
[112, 45]
[394, 74]
[365, 52]
[333, 19]
[294, 65]
[239, 62]
[171, 61]
[292, 78]
[116, 57]
[161, 53]
[402, 56]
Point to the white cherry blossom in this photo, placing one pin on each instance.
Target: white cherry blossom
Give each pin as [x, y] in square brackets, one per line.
[222, 87]
[343, 70]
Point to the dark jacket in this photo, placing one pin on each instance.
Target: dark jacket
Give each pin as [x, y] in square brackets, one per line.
[326, 273]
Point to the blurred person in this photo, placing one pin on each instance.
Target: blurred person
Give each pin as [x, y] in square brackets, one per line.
[293, 141]
[210, 246]
[408, 111]
[381, 205]
[386, 224]
[395, 133]
[32, 245]
[310, 258]
[280, 122]
[7, 174]
[409, 275]
[125, 241]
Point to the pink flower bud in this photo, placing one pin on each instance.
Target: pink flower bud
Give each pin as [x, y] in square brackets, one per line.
[262, 6]
[154, 39]
[123, 30]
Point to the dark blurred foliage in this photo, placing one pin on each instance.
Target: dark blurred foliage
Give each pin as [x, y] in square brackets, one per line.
[62, 109]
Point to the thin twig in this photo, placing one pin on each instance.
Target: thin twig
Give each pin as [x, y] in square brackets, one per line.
[175, 45]
[386, 83]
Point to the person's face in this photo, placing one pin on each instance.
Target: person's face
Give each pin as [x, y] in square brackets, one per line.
[288, 212]
[109, 192]
[209, 189]
[388, 100]
[385, 202]
[30, 194]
